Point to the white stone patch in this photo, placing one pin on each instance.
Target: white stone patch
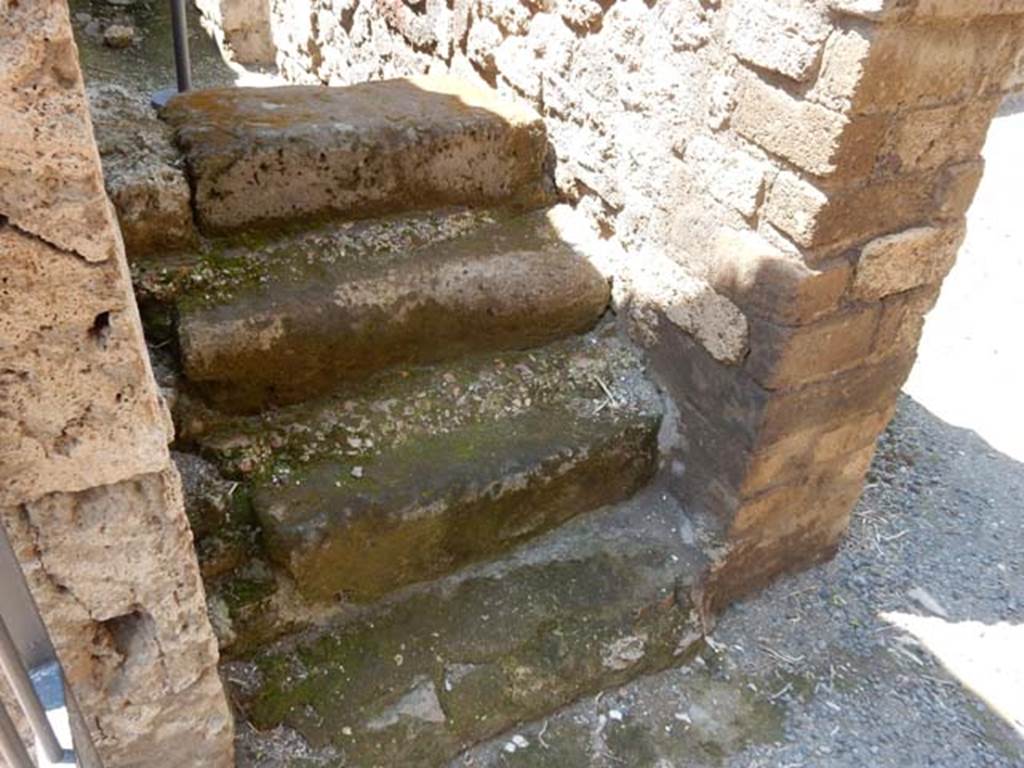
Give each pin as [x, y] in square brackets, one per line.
[624, 653]
[420, 703]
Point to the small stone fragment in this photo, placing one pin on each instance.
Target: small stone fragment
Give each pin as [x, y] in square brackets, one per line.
[118, 36]
[357, 472]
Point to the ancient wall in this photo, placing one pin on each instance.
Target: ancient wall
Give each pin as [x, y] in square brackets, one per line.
[88, 494]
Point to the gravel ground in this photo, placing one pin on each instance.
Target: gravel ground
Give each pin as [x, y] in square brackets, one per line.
[908, 648]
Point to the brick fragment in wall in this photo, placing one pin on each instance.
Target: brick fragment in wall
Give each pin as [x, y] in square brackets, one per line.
[689, 23]
[955, 190]
[912, 66]
[75, 384]
[44, 106]
[905, 260]
[958, 9]
[786, 529]
[783, 36]
[808, 135]
[769, 283]
[789, 356]
[731, 175]
[929, 138]
[743, 472]
[813, 217]
[903, 319]
[113, 571]
[750, 416]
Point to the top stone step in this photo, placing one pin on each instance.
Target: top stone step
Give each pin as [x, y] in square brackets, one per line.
[265, 156]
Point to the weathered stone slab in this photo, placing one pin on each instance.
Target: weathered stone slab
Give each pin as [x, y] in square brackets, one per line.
[304, 323]
[263, 155]
[364, 491]
[436, 503]
[602, 600]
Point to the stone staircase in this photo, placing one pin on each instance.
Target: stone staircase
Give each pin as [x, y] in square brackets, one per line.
[421, 459]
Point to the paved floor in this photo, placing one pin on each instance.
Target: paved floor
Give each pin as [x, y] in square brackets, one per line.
[907, 649]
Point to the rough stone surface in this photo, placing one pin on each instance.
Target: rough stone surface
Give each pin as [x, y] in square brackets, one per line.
[785, 37]
[113, 572]
[57, 195]
[818, 140]
[412, 683]
[318, 313]
[359, 494]
[906, 260]
[784, 356]
[770, 283]
[436, 504]
[263, 156]
[143, 172]
[75, 387]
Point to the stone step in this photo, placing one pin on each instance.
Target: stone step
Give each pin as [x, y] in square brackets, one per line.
[263, 156]
[286, 321]
[423, 473]
[415, 680]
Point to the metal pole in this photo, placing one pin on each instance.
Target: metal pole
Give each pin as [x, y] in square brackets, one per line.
[10, 661]
[179, 29]
[11, 747]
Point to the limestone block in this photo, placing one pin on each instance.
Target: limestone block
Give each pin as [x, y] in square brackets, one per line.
[785, 37]
[244, 26]
[55, 194]
[769, 283]
[908, 259]
[730, 175]
[842, 67]
[78, 405]
[113, 571]
[812, 137]
[269, 155]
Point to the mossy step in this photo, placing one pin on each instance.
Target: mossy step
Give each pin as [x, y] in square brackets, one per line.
[263, 156]
[436, 669]
[427, 470]
[314, 312]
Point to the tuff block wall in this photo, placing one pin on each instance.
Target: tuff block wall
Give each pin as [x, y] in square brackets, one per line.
[88, 494]
[806, 166]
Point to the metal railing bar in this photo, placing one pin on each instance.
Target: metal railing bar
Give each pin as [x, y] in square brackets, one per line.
[179, 30]
[26, 695]
[11, 746]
